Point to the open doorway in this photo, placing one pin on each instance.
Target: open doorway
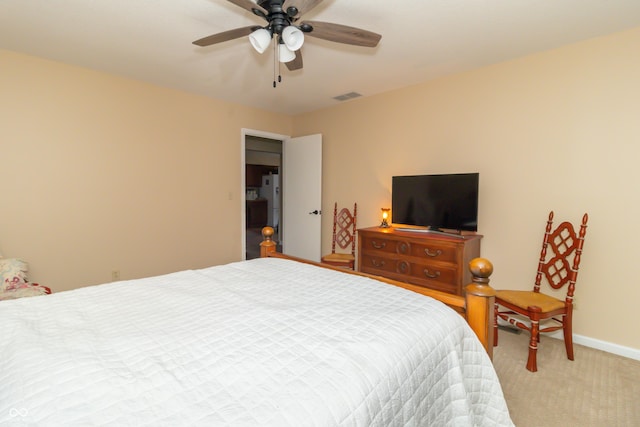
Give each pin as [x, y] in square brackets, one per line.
[263, 201]
[300, 173]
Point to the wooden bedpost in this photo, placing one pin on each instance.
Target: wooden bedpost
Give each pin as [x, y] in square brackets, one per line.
[480, 301]
[267, 245]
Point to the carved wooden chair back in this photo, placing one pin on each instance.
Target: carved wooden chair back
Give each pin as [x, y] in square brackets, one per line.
[344, 229]
[561, 266]
[343, 238]
[558, 266]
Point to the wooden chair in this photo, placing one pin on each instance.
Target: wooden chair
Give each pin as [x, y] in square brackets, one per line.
[526, 309]
[344, 236]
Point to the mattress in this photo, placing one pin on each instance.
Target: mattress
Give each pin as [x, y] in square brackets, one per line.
[266, 342]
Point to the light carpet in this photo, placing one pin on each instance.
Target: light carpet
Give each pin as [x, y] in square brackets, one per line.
[596, 389]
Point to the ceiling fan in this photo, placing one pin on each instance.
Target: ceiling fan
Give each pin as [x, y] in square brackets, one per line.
[283, 25]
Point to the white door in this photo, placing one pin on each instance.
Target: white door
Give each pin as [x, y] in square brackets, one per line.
[301, 182]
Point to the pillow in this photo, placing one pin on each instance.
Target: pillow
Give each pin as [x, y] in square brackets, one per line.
[25, 291]
[13, 284]
[13, 270]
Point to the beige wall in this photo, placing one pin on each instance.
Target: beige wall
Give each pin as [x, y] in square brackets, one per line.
[102, 173]
[557, 130]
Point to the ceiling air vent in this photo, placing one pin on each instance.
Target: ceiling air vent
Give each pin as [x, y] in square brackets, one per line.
[347, 96]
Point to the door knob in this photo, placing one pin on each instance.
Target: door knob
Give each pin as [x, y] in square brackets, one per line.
[316, 212]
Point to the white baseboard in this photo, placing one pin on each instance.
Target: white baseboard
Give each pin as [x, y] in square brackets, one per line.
[620, 350]
[609, 347]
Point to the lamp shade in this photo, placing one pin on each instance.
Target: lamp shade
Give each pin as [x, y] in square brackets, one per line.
[260, 39]
[292, 37]
[284, 54]
[385, 218]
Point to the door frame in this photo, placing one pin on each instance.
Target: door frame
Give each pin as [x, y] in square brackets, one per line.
[244, 132]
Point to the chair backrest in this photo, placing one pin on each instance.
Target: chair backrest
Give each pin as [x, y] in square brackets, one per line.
[560, 266]
[344, 228]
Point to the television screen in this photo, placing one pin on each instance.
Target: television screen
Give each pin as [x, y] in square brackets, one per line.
[447, 201]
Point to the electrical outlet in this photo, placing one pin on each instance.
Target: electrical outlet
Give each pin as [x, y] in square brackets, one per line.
[115, 275]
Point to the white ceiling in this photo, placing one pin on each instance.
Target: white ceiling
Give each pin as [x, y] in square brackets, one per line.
[150, 40]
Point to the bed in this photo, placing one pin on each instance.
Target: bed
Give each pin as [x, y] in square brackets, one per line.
[266, 342]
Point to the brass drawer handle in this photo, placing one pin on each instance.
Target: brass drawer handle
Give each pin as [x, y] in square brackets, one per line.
[377, 263]
[431, 275]
[378, 245]
[428, 252]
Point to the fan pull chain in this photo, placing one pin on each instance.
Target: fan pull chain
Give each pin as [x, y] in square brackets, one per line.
[275, 60]
[276, 64]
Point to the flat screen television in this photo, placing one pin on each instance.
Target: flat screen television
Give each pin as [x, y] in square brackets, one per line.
[438, 202]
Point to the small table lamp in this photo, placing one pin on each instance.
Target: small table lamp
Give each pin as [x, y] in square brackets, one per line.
[385, 218]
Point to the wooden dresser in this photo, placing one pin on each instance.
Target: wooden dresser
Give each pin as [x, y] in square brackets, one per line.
[433, 260]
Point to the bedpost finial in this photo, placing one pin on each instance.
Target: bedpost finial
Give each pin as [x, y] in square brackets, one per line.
[267, 246]
[267, 232]
[481, 268]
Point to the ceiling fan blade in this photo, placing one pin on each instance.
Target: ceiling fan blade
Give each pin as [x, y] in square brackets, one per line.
[343, 34]
[226, 36]
[296, 64]
[303, 6]
[249, 5]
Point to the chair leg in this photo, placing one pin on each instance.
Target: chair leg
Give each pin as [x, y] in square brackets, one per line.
[495, 326]
[533, 346]
[568, 335]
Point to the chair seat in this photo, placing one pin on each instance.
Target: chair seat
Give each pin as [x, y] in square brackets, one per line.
[340, 260]
[337, 257]
[525, 299]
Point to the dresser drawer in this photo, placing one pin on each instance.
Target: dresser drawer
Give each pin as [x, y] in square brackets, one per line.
[378, 243]
[433, 250]
[436, 276]
[375, 264]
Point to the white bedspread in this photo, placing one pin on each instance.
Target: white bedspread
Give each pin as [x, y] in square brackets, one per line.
[266, 342]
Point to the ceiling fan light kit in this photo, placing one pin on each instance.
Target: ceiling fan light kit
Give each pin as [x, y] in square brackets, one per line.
[282, 18]
[285, 54]
[293, 37]
[260, 39]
